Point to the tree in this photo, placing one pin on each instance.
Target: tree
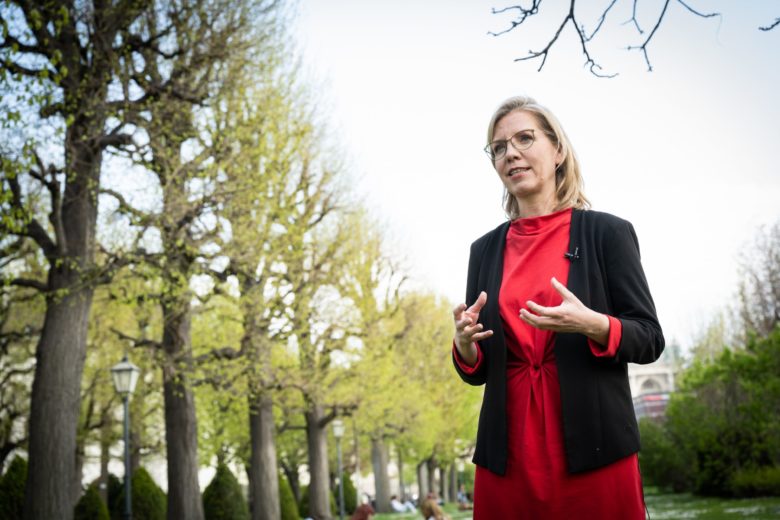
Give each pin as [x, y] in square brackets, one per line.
[12, 489]
[58, 58]
[148, 500]
[222, 498]
[759, 286]
[211, 44]
[585, 37]
[90, 506]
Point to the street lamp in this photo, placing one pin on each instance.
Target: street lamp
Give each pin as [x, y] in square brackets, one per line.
[125, 376]
[338, 432]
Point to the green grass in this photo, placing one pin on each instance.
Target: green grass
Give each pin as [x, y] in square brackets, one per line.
[684, 505]
[450, 509]
[666, 507]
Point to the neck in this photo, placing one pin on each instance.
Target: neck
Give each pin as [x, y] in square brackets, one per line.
[537, 207]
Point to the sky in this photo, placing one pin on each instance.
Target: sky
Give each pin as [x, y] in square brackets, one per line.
[684, 152]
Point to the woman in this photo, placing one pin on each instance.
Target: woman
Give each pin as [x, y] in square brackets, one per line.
[558, 305]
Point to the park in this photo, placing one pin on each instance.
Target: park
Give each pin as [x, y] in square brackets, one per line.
[233, 232]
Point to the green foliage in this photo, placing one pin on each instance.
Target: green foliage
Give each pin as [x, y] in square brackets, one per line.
[350, 496]
[287, 500]
[12, 489]
[148, 500]
[91, 506]
[115, 488]
[756, 482]
[661, 460]
[223, 498]
[722, 431]
[303, 506]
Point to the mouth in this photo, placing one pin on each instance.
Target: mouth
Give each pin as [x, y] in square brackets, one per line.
[517, 170]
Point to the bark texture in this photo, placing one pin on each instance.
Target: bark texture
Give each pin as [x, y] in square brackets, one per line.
[317, 442]
[381, 478]
[181, 430]
[264, 480]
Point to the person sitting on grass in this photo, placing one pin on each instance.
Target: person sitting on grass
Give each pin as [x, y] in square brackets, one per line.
[363, 512]
[431, 511]
[401, 507]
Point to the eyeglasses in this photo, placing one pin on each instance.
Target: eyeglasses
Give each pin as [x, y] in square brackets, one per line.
[522, 140]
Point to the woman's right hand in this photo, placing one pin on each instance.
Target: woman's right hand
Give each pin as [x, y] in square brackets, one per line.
[467, 329]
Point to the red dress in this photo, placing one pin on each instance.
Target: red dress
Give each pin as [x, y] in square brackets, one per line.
[536, 484]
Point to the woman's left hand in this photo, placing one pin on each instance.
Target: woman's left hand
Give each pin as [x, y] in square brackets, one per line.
[570, 316]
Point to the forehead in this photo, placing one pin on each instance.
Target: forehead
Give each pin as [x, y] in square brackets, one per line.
[513, 122]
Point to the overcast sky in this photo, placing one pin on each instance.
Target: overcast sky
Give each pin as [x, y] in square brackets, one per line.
[686, 152]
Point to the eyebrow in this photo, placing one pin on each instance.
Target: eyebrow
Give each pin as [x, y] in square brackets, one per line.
[514, 133]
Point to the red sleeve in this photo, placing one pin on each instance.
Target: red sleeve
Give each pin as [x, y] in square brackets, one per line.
[462, 364]
[613, 341]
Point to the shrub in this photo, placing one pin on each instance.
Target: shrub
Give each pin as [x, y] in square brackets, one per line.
[350, 496]
[148, 499]
[223, 498]
[303, 506]
[287, 500]
[754, 482]
[661, 461]
[12, 489]
[115, 506]
[91, 506]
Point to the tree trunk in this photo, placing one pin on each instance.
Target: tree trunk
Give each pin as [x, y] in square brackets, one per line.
[56, 389]
[422, 481]
[105, 456]
[181, 431]
[135, 450]
[442, 482]
[317, 441]
[78, 472]
[453, 482]
[401, 487]
[293, 480]
[381, 478]
[432, 487]
[264, 480]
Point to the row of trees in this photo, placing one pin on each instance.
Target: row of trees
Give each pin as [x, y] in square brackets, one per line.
[721, 434]
[168, 189]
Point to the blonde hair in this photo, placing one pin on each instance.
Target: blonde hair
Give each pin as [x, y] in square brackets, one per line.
[429, 508]
[569, 186]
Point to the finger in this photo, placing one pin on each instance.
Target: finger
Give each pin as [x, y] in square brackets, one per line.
[456, 312]
[470, 331]
[482, 335]
[481, 300]
[536, 321]
[540, 309]
[562, 290]
[465, 322]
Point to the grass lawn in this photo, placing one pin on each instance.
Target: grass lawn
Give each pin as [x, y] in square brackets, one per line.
[450, 509]
[666, 506]
[685, 505]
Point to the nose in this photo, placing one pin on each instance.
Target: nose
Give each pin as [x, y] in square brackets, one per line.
[512, 152]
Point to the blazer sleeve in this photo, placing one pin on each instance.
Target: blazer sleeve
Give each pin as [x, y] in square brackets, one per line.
[479, 375]
[642, 339]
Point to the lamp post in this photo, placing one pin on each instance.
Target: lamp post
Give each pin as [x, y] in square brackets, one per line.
[125, 376]
[338, 432]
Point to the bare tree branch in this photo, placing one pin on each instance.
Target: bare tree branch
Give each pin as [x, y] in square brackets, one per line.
[137, 342]
[33, 284]
[770, 27]
[590, 62]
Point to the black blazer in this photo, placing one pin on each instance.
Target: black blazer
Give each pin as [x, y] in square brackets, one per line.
[599, 425]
